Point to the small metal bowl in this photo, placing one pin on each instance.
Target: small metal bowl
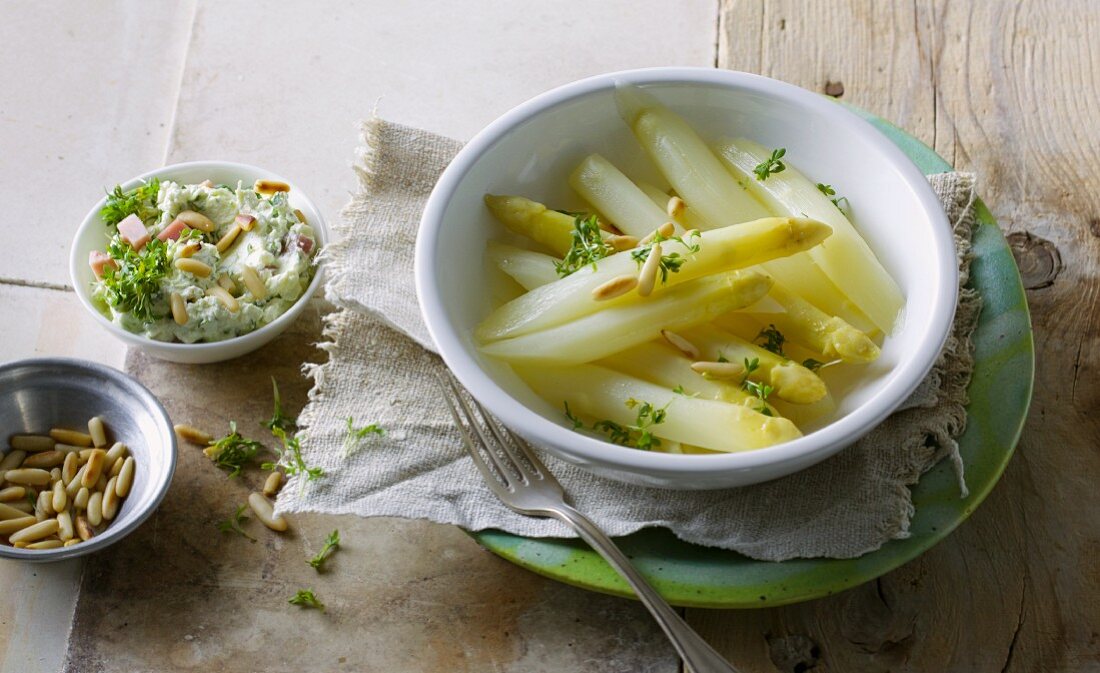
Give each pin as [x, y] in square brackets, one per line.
[39, 394]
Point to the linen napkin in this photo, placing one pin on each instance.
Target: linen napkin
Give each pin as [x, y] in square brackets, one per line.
[381, 367]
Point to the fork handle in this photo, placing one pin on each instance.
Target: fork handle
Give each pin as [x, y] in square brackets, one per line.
[696, 653]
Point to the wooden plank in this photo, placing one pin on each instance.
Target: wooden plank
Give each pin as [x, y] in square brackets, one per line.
[88, 93]
[1008, 90]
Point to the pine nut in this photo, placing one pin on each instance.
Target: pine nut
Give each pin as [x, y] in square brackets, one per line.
[101, 483]
[225, 281]
[254, 283]
[12, 494]
[9, 526]
[66, 449]
[229, 238]
[84, 529]
[45, 459]
[125, 478]
[80, 500]
[28, 476]
[95, 508]
[43, 508]
[110, 499]
[23, 505]
[272, 484]
[55, 475]
[69, 543]
[719, 370]
[12, 460]
[664, 231]
[64, 526]
[188, 249]
[98, 432]
[189, 433]
[193, 267]
[179, 308]
[269, 187]
[94, 468]
[196, 220]
[620, 243]
[676, 208]
[301, 216]
[245, 221]
[616, 287]
[19, 545]
[209, 184]
[85, 454]
[681, 344]
[46, 544]
[648, 277]
[265, 512]
[9, 512]
[31, 442]
[608, 227]
[118, 450]
[69, 468]
[73, 437]
[35, 532]
[227, 300]
[59, 498]
[76, 482]
[116, 467]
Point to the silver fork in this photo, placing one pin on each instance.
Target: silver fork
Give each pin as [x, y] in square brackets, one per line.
[526, 486]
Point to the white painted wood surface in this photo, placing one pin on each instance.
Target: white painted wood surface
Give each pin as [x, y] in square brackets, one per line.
[94, 93]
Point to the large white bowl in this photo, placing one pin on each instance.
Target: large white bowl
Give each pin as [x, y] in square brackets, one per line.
[93, 235]
[530, 151]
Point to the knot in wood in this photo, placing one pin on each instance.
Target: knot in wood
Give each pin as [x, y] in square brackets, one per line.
[834, 89]
[793, 653]
[1038, 259]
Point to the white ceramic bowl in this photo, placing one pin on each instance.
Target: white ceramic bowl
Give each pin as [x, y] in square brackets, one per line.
[93, 235]
[530, 151]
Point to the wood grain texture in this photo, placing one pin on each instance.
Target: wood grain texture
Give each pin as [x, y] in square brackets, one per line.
[1011, 92]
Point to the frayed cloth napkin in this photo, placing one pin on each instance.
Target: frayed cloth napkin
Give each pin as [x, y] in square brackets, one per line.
[381, 370]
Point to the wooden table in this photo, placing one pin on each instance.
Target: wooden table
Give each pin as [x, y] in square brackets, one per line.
[94, 93]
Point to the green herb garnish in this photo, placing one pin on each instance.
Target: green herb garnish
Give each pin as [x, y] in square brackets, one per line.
[828, 190]
[278, 418]
[759, 390]
[134, 287]
[355, 435]
[588, 246]
[305, 598]
[638, 434]
[290, 458]
[771, 165]
[140, 201]
[332, 542]
[722, 357]
[812, 364]
[233, 451]
[773, 340]
[671, 262]
[577, 423]
[233, 523]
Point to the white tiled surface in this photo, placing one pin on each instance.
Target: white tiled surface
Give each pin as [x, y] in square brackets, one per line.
[94, 93]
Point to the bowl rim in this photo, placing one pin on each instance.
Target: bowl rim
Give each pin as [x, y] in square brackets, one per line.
[277, 325]
[817, 445]
[111, 534]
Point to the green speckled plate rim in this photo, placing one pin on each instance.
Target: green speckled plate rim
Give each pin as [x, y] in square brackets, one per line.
[1000, 393]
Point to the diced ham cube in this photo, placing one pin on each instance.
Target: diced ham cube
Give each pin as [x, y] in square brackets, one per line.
[172, 231]
[132, 230]
[97, 259]
[304, 243]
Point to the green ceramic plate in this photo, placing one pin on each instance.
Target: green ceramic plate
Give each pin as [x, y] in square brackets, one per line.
[695, 576]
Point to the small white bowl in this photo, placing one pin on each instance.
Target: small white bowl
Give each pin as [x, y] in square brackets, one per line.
[530, 151]
[93, 235]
